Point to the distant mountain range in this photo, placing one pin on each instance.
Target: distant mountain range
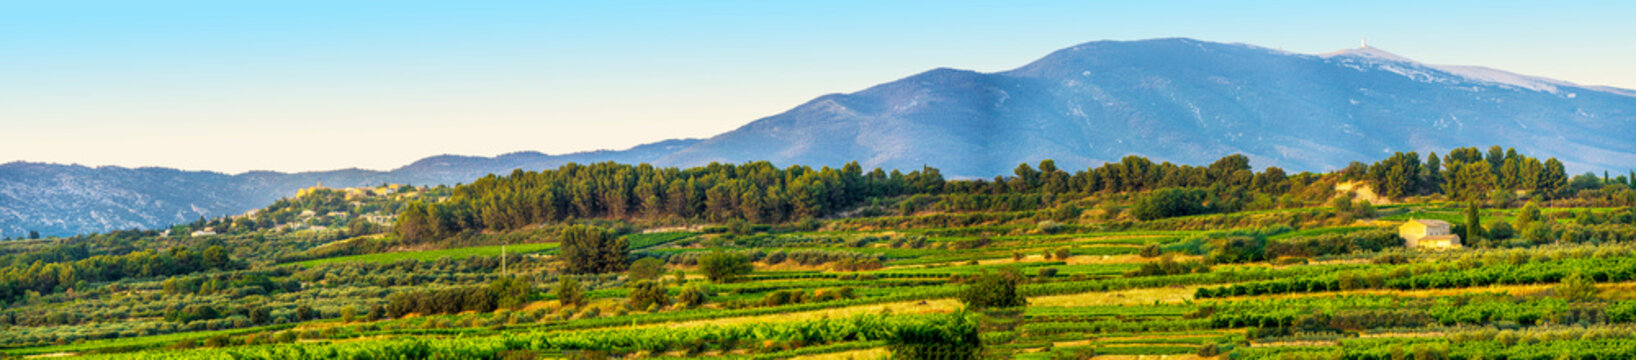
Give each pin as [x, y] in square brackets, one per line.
[1179, 100]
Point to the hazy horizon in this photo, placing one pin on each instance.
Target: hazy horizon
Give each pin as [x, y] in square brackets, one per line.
[319, 86]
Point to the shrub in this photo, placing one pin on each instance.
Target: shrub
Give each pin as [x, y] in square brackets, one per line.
[569, 292]
[692, 296]
[1577, 287]
[1151, 251]
[646, 294]
[511, 292]
[1048, 272]
[784, 297]
[647, 269]
[993, 290]
[1500, 230]
[721, 266]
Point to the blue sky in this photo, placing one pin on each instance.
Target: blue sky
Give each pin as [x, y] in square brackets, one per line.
[306, 85]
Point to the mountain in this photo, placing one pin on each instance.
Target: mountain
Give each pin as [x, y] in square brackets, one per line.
[1189, 101]
[1178, 100]
[70, 199]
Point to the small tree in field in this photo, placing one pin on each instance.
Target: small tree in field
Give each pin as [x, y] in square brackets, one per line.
[692, 296]
[1577, 287]
[647, 269]
[994, 290]
[511, 292]
[647, 294]
[1151, 251]
[721, 266]
[569, 292]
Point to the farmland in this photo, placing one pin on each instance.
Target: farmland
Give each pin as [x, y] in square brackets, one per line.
[1185, 262]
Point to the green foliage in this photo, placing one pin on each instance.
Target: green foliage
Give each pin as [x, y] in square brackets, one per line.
[569, 292]
[1170, 202]
[952, 336]
[1527, 216]
[1577, 287]
[647, 293]
[693, 296]
[511, 292]
[1238, 249]
[442, 301]
[719, 266]
[434, 255]
[593, 250]
[647, 269]
[1334, 243]
[1168, 266]
[1151, 251]
[994, 290]
[1474, 224]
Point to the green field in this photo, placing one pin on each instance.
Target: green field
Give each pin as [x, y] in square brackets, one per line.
[433, 255]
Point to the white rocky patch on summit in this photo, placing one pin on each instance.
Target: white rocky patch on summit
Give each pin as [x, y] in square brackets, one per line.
[1415, 70]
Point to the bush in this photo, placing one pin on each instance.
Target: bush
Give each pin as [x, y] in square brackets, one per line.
[775, 257]
[784, 297]
[693, 296]
[994, 290]
[647, 269]
[1048, 272]
[1500, 230]
[721, 266]
[569, 292]
[1577, 287]
[511, 292]
[1151, 251]
[646, 294]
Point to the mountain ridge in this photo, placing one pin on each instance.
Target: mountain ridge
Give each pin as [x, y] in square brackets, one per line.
[1176, 99]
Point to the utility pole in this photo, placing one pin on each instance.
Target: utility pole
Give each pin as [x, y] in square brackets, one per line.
[503, 259]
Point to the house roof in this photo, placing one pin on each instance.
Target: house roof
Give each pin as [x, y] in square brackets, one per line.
[1429, 222]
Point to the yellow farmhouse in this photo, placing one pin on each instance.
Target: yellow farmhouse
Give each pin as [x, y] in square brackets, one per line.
[1428, 234]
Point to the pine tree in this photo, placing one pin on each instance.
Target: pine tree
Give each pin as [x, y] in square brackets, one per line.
[1553, 180]
[593, 250]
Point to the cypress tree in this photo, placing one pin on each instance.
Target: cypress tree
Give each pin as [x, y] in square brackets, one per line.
[1474, 225]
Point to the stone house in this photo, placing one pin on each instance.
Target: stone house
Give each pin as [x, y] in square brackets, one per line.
[1428, 234]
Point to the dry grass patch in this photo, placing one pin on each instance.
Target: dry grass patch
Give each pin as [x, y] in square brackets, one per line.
[1145, 296]
[1152, 357]
[875, 353]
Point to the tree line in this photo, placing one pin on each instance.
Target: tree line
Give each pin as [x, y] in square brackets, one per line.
[762, 193]
[1465, 174]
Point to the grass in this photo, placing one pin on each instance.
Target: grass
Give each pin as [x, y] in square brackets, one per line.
[433, 255]
[1318, 231]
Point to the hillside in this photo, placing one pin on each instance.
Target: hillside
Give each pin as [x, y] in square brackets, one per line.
[1188, 101]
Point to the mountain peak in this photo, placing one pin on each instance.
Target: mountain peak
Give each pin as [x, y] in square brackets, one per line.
[1367, 52]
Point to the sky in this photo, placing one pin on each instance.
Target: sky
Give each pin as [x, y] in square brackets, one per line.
[234, 86]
